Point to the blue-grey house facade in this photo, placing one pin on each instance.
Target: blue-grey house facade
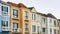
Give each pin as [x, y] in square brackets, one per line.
[4, 18]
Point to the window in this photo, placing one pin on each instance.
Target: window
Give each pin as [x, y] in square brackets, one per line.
[54, 31]
[50, 20]
[15, 13]
[50, 31]
[43, 20]
[55, 23]
[43, 29]
[5, 23]
[33, 28]
[15, 25]
[57, 31]
[38, 18]
[26, 27]
[26, 15]
[33, 17]
[38, 29]
[4, 10]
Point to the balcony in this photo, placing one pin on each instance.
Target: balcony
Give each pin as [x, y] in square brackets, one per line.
[4, 13]
[16, 30]
[15, 17]
[5, 28]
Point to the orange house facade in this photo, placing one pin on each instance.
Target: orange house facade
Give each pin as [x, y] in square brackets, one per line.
[20, 19]
[15, 20]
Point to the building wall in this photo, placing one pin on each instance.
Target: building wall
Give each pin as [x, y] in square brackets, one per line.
[59, 26]
[39, 23]
[56, 27]
[50, 25]
[44, 25]
[14, 19]
[5, 18]
[35, 22]
[23, 20]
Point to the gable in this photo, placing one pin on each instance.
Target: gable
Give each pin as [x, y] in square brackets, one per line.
[33, 10]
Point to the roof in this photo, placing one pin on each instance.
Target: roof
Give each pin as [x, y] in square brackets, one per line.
[58, 19]
[21, 5]
[42, 14]
[50, 15]
[3, 2]
[17, 5]
[13, 4]
[30, 8]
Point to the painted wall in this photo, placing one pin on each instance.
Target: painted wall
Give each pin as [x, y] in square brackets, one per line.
[15, 20]
[22, 18]
[35, 22]
[7, 18]
[51, 25]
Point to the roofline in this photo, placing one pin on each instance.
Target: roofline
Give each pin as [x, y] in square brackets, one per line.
[4, 3]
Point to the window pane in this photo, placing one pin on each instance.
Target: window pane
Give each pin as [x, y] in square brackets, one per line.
[15, 25]
[50, 20]
[15, 13]
[54, 31]
[33, 28]
[4, 8]
[54, 23]
[33, 17]
[43, 20]
[38, 18]
[26, 27]
[5, 23]
[50, 30]
[38, 28]
[26, 15]
[43, 29]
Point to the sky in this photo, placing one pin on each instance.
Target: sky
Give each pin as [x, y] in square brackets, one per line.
[42, 6]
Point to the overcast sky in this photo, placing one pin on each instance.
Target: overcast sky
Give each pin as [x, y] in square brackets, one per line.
[42, 6]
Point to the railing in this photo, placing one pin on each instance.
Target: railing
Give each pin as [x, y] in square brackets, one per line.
[4, 13]
[16, 30]
[5, 28]
[15, 17]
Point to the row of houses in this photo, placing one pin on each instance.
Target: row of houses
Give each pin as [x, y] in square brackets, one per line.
[19, 19]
